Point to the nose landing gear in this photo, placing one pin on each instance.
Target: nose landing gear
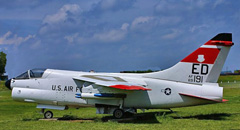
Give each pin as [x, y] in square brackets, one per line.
[47, 114]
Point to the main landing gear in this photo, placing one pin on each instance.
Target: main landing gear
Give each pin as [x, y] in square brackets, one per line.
[118, 113]
[47, 114]
[127, 112]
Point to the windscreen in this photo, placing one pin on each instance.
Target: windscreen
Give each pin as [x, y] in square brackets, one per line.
[34, 73]
[23, 76]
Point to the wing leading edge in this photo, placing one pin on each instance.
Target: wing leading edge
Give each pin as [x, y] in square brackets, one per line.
[112, 82]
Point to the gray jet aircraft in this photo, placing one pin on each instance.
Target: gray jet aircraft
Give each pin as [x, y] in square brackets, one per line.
[191, 82]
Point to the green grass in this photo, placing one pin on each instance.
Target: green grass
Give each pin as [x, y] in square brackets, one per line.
[24, 116]
[230, 78]
[2, 86]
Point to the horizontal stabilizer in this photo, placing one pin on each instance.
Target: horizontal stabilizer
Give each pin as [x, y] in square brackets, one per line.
[203, 98]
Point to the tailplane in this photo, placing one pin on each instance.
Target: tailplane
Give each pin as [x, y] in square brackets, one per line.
[202, 65]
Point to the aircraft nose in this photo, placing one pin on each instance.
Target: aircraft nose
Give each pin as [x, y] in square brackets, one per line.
[8, 84]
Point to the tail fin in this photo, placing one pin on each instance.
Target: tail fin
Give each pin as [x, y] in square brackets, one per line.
[202, 65]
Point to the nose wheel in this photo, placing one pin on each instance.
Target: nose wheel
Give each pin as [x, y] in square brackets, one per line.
[48, 115]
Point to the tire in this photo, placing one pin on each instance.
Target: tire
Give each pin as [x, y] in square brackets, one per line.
[118, 113]
[48, 115]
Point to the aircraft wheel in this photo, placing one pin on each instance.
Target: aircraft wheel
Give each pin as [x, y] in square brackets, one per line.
[48, 115]
[118, 113]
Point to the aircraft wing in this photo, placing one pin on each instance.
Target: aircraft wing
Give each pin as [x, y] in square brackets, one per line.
[112, 82]
[202, 98]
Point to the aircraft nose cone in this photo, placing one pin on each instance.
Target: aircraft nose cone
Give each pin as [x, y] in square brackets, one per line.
[8, 84]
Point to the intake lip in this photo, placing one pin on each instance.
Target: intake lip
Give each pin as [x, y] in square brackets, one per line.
[8, 84]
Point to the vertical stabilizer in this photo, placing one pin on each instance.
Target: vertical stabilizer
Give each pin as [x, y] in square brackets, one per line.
[202, 65]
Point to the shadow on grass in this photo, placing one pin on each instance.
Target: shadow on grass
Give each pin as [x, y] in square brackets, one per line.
[30, 119]
[141, 118]
[214, 116]
[71, 117]
[146, 118]
[64, 118]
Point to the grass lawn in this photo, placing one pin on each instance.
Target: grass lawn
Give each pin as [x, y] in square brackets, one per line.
[230, 78]
[24, 116]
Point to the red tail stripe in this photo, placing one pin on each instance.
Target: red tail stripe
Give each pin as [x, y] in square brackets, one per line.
[203, 55]
[221, 43]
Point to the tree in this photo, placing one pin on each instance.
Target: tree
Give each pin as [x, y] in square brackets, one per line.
[237, 71]
[3, 61]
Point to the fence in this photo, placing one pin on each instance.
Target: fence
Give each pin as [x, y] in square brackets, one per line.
[229, 83]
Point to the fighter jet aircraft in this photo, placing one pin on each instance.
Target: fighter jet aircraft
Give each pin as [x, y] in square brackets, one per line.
[192, 81]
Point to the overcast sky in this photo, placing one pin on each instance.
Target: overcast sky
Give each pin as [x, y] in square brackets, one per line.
[112, 35]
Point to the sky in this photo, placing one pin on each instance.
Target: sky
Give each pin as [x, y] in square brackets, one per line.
[112, 35]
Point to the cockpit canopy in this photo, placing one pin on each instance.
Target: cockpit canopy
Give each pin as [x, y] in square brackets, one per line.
[34, 73]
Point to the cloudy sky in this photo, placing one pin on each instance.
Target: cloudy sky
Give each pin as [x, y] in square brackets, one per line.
[112, 35]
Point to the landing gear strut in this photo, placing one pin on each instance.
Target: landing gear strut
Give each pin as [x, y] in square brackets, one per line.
[174, 112]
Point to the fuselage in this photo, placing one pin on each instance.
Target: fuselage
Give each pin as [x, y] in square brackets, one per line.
[57, 87]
